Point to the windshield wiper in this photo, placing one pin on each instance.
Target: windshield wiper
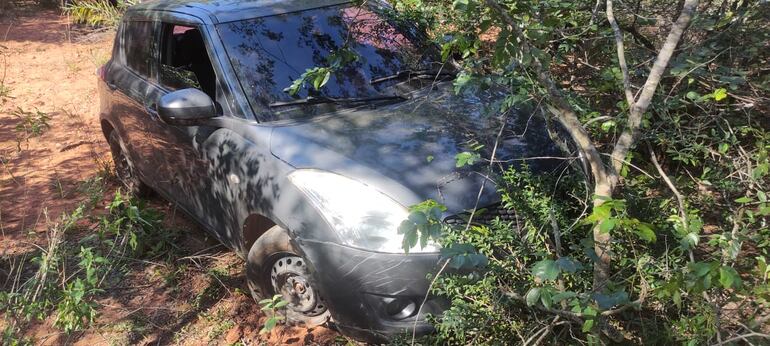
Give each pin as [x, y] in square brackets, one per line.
[412, 73]
[313, 100]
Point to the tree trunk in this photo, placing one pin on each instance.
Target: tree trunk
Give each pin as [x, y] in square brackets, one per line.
[602, 240]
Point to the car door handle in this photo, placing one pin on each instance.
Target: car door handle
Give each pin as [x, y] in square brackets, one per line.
[111, 85]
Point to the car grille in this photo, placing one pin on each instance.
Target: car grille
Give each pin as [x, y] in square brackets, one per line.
[483, 216]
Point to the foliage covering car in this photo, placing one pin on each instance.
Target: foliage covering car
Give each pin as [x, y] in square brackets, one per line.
[307, 172]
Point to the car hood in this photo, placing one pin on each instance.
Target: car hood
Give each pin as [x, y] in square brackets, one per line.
[408, 149]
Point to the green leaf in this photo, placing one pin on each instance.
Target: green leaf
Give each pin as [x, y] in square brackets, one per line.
[321, 78]
[460, 5]
[545, 298]
[269, 325]
[724, 147]
[588, 325]
[429, 158]
[608, 125]
[464, 255]
[677, 298]
[607, 301]
[607, 225]
[462, 81]
[729, 277]
[744, 200]
[410, 240]
[563, 295]
[568, 265]
[700, 268]
[645, 232]
[720, 94]
[446, 49]
[466, 158]
[546, 270]
[690, 240]
[418, 218]
[532, 296]
[734, 248]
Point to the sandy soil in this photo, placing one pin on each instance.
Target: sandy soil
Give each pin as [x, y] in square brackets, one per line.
[48, 66]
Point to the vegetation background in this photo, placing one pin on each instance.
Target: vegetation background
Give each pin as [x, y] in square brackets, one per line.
[664, 237]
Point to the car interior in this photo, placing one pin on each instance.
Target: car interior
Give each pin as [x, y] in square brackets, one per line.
[185, 62]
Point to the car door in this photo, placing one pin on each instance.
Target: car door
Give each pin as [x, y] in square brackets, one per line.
[198, 182]
[134, 78]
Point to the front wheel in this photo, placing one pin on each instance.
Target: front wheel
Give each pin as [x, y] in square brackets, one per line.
[125, 170]
[274, 267]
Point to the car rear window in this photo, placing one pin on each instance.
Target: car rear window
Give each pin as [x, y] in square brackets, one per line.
[138, 43]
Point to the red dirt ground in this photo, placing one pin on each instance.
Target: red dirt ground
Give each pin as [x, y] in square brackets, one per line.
[49, 66]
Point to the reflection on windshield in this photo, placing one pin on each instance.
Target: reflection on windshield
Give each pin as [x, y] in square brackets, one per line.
[269, 53]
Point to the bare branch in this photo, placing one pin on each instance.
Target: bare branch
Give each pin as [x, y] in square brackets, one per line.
[674, 190]
[621, 54]
[744, 337]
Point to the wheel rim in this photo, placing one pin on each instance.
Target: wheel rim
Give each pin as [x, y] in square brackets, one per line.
[123, 169]
[289, 278]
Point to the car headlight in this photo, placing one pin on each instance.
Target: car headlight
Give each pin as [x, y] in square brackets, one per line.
[362, 216]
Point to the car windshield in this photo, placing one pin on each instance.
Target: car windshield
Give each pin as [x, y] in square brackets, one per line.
[270, 53]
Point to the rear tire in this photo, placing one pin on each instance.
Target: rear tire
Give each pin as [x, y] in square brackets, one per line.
[274, 267]
[125, 170]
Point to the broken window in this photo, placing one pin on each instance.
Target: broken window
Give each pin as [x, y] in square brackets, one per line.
[184, 61]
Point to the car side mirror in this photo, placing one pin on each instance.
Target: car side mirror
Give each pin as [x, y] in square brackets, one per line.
[186, 107]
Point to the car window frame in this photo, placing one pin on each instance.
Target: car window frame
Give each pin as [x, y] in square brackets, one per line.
[221, 98]
[228, 104]
[162, 35]
[125, 32]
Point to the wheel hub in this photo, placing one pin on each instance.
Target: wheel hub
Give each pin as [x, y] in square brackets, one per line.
[299, 287]
[289, 276]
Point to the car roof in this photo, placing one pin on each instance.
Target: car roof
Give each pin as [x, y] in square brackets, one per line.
[221, 11]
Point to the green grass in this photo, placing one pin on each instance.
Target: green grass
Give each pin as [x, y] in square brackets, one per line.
[5, 91]
[93, 189]
[31, 124]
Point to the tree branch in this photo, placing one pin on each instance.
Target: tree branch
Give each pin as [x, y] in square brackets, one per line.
[627, 138]
[604, 180]
[644, 41]
[576, 316]
[621, 54]
[744, 337]
[561, 109]
[674, 190]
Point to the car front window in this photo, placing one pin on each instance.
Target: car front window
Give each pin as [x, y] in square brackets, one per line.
[269, 53]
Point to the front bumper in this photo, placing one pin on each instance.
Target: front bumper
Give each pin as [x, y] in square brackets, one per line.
[374, 296]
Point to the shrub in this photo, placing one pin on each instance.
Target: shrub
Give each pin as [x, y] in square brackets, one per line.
[675, 249]
[97, 12]
[71, 293]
